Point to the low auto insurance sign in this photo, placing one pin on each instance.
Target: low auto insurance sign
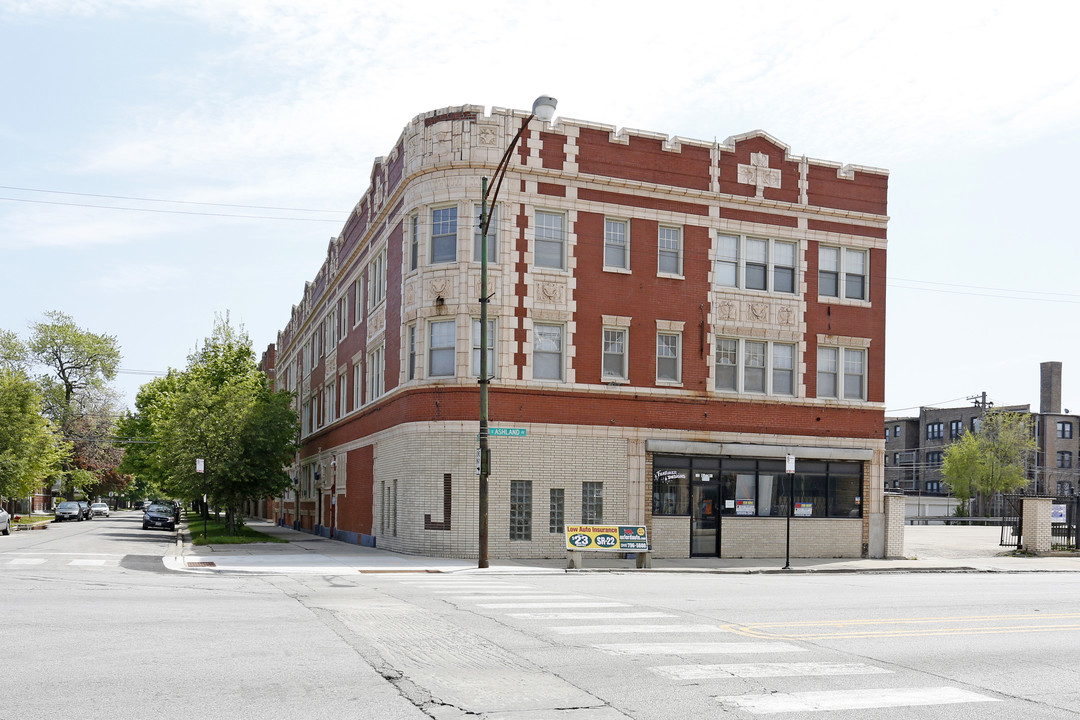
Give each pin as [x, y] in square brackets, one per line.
[619, 538]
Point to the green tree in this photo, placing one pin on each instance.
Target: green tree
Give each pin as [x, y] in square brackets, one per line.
[992, 459]
[221, 409]
[30, 450]
[77, 398]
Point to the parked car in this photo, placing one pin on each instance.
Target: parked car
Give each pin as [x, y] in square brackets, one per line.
[68, 510]
[159, 515]
[5, 522]
[99, 509]
[86, 512]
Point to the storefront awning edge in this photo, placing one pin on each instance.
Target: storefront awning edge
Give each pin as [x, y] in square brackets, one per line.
[681, 447]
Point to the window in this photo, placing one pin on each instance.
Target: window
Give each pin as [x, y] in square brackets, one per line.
[414, 241]
[550, 241]
[956, 429]
[331, 399]
[343, 318]
[616, 244]
[933, 458]
[444, 235]
[492, 238]
[755, 263]
[441, 349]
[592, 502]
[377, 279]
[671, 489]
[668, 365]
[755, 366]
[490, 348]
[841, 370]
[547, 352]
[670, 247]
[935, 431]
[783, 267]
[556, 511]
[357, 385]
[1065, 430]
[343, 395]
[896, 431]
[358, 301]
[376, 369]
[758, 487]
[521, 510]
[331, 329]
[1064, 459]
[783, 369]
[410, 352]
[614, 354]
[727, 361]
[842, 273]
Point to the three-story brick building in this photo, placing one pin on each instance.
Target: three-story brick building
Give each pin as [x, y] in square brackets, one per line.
[669, 319]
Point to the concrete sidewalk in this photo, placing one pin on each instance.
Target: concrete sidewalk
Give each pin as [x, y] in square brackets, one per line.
[927, 549]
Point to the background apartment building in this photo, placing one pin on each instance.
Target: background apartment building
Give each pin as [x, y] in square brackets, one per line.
[669, 319]
[915, 447]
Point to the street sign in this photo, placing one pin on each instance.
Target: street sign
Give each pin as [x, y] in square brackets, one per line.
[507, 432]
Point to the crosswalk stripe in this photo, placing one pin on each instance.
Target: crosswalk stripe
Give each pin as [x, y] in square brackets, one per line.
[86, 561]
[526, 605]
[591, 615]
[493, 591]
[463, 584]
[764, 670]
[715, 648]
[616, 629]
[850, 699]
[26, 561]
[508, 598]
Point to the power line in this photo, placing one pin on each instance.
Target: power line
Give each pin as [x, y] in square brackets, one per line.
[981, 287]
[162, 200]
[169, 212]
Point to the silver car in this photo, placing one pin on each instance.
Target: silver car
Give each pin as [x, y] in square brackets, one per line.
[68, 510]
[5, 522]
[99, 509]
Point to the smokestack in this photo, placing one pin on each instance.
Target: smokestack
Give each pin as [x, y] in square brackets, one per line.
[1050, 388]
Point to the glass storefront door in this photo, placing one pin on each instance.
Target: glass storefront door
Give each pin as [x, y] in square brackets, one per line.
[704, 511]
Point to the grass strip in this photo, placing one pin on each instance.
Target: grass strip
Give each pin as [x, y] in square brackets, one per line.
[217, 532]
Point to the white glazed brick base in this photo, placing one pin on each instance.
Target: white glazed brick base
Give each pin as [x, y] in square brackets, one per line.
[1037, 527]
[670, 536]
[894, 526]
[810, 538]
[418, 459]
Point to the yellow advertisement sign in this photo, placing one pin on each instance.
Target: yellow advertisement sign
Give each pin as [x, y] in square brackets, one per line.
[618, 538]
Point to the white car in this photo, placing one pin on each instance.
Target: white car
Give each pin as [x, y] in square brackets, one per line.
[99, 509]
[5, 522]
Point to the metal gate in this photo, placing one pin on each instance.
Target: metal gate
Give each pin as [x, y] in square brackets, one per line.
[1012, 520]
[1064, 528]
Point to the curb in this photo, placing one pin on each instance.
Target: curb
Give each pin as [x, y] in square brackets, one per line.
[43, 525]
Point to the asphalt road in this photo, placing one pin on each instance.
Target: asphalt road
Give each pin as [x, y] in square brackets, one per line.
[93, 626]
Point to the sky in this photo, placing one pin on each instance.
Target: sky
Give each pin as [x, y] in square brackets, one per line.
[166, 162]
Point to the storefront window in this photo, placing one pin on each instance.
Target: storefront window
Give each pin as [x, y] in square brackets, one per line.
[759, 488]
[671, 491]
